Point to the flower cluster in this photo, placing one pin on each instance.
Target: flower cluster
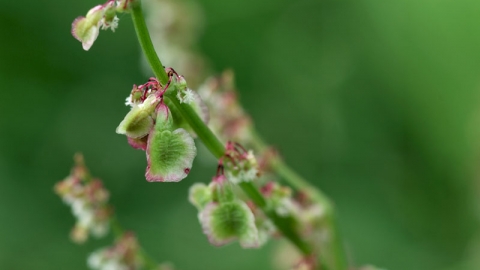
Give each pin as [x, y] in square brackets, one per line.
[224, 214]
[228, 119]
[86, 29]
[240, 165]
[156, 128]
[224, 218]
[88, 199]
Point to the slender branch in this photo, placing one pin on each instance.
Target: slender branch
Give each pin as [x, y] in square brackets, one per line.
[218, 150]
[205, 134]
[337, 258]
[146, 42]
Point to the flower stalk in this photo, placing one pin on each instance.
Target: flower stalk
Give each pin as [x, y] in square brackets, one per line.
[334, 258]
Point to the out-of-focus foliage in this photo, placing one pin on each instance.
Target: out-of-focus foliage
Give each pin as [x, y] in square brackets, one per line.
[376, 102]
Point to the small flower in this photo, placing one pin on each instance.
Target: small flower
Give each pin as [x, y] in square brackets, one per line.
[88, 200]
[192, 98]
[187, 96]
[86, 29]
[241, 166]
[110, 24]
[85, 32]
[151, 126]
[228, 119]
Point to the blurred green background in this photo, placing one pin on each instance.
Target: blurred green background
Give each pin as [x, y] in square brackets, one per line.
[375, 102]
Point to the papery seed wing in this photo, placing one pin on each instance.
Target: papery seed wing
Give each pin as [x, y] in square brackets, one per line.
[136, 124]
[200, 195]
[170, 155]
[225, 222]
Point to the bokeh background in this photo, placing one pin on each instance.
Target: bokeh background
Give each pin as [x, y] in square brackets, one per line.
[375, 102]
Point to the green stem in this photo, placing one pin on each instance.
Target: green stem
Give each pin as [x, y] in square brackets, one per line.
[146, 42]
[285, 225]
[334, 257]
[204, 133]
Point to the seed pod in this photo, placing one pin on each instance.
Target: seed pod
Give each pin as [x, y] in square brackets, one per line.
[225, 222]
[170, 153]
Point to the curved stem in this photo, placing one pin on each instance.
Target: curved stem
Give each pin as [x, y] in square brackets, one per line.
[146, 42]
[335, 256]
[202, 130]
[218, 150]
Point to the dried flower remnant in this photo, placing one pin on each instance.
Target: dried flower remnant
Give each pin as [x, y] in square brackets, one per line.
[88, 199]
